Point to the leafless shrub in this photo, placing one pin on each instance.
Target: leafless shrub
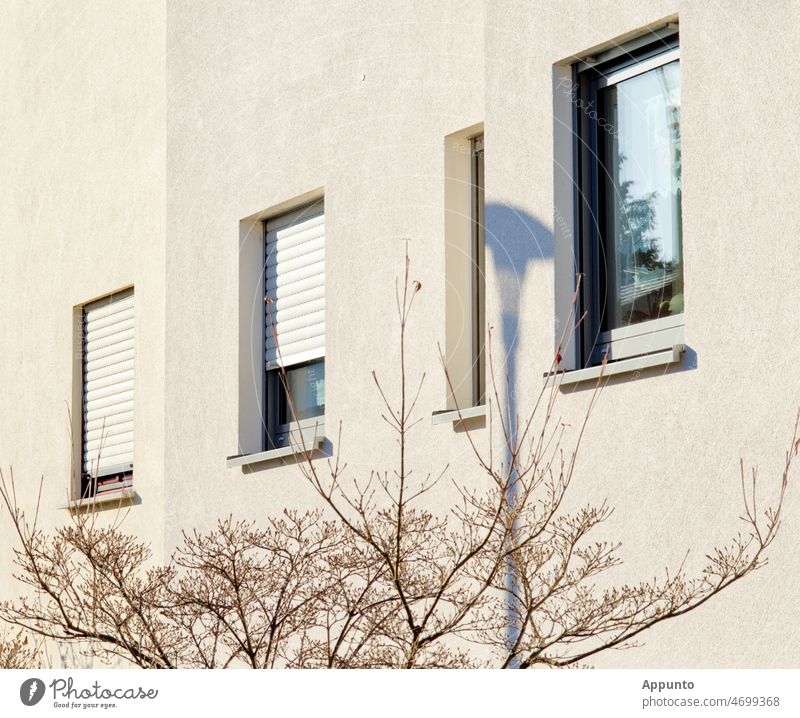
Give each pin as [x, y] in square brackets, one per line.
[507, 569]
[507, 577]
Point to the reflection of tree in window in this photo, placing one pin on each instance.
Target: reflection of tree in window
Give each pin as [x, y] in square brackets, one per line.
[645, 281]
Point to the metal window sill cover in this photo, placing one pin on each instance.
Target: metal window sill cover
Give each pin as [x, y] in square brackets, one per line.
[623, 366]
[448, 415]
[260, 456]
[111, 497]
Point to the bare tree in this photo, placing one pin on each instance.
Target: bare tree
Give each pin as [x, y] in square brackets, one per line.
[507, 569]
[376, 578]
[235, 595]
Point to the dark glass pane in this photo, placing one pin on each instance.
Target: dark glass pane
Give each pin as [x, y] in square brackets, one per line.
[640, 197]
[478, 282]
[307, 387]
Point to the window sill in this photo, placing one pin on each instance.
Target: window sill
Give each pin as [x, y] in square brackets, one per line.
[623, 366]
[125, 496]
[458, 415]
[313, 444]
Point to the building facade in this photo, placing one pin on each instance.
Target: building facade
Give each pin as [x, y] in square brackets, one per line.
[170, 165]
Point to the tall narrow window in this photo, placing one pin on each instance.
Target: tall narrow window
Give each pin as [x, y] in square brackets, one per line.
[478, 278]
[628, 114]
[107, 373]
[465, 294]
[295, 322]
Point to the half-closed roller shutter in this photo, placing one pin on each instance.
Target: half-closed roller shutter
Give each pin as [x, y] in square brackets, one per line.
[295, 287]
[108, 350]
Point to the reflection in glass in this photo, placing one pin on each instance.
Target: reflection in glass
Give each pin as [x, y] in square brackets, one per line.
[307, 387]
[640, 197]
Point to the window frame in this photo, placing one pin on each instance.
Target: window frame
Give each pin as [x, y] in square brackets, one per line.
[277, 434]
[478, 275]
[86, 483]
[624, 62]
[464, 274]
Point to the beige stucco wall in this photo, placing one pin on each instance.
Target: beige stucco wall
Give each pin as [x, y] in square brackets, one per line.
[82, 214]
[293, 100]
[266, 102]
[664, 448]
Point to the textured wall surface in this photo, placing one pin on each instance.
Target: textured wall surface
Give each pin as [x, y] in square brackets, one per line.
[83, 191]
[268, 101]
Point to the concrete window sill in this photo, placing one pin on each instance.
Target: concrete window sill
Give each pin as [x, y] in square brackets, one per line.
[314, 443]
[623, 366]
[124, 497]
[456, 415]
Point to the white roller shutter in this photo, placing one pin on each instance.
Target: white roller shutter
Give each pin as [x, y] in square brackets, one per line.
[295, 282]
[108, 385]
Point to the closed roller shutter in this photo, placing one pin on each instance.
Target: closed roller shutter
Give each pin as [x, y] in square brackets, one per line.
[295, 282]
[108, 333]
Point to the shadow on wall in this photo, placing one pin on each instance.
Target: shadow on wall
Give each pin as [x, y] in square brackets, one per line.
[515, 240]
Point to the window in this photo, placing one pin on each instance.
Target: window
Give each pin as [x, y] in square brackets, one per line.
[107, 364]
[478, 289]
[294, 323]
[627, 115]
[465, 294]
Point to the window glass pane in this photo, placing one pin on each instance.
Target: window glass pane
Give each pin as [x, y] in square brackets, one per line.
[307, 386]
[640, 197]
